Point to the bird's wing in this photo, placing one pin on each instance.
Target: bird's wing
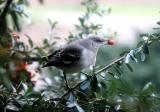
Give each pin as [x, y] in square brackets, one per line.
[64, 57]
[46, 58]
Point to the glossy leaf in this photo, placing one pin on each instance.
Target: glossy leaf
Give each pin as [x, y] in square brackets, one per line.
[143, 56]
[71, 101]
[82, 96]
[145, 48]
[29, 40]
[127, 58]
[15, 19]
[158, 22]
[132, 55]
[18, 8]
[80, 109]
[12, 108]
[148, 89]
[103, 84]
[94, 83]
[112, 74]
[81, 20]
[85, 86]
[129, 67]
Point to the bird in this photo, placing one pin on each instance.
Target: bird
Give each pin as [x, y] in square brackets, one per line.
[75, 56]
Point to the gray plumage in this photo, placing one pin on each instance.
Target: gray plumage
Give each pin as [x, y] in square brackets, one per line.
[77, 55]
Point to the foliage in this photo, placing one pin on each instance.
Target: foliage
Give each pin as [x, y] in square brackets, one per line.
[105, 89]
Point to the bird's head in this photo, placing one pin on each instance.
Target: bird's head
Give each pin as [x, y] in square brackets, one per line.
[96, 41]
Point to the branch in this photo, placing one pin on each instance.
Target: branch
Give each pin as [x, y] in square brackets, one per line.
[110, 65]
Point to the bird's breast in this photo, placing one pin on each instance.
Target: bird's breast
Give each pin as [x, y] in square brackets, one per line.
[87, 59]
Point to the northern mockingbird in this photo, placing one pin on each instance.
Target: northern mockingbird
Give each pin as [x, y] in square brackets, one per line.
[75, 56]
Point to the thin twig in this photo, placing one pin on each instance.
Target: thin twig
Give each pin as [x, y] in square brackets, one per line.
[110, 65]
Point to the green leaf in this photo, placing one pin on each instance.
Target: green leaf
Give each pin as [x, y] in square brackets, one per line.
[132, 55]
[82, 96]
[94, 83]
[143, 56]
[46, 43]
[18, 8]
[29, 40]
[32, 95]
[16, 21]
[112, 74]
[103, 84]
[53, 24]
[2, 1]
[79, 109]
[20, 46]
[81, 20]
[117, 70]
[148, 89]
[71, 101]
[127, 58]
[85, 86]
[129, 67]
[145, 48]
[142, 35]
[22, 87]
[158, 22]
[11, 108]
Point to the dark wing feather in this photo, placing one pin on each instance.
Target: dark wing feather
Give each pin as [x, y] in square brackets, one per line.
[64, 57]
[46, 58]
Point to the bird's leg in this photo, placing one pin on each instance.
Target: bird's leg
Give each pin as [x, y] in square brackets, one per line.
[66, 82]
[94, 81]
[93, 69]
[94, 66]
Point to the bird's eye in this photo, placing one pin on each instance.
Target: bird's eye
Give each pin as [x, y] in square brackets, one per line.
[98, 40]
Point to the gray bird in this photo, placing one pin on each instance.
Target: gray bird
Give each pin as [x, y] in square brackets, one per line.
[75, 56]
